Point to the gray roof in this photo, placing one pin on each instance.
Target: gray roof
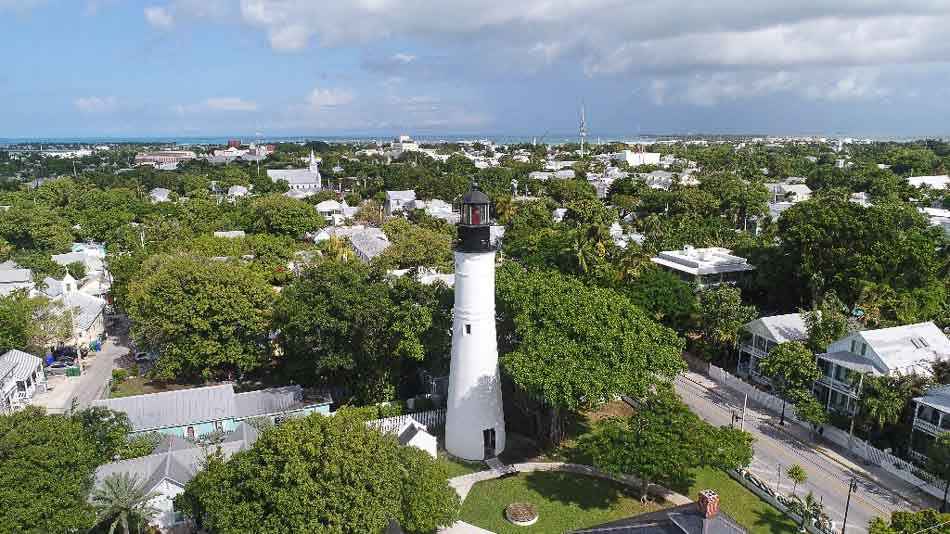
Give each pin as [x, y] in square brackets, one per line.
[938, 397]
[24, 363]
[780, 328]
[685, 518]
[850, 361]
[160, 193]
[6, 367]
[197, 405]
[92, 263]
[406, 195]
[175, 408]
[908, 347]
[87, 307]
[369, 245]
[267, 401]
[176, 459]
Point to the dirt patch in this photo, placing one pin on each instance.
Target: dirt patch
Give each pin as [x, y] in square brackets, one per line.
[611, 409]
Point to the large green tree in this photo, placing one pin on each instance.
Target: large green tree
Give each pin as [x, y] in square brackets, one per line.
[663, 441]
[280, 215]
[205, 318]
[342, 324]
[321, 474]
[929, 521]
[45, 459]
[721, 315]
[567, 354]
[791, 367]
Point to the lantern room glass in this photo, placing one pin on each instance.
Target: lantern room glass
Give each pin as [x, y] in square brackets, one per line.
[475, 214]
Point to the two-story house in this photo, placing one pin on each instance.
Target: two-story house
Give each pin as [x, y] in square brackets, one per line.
[908, 349]
[21, 376]
[931, 417]
[760, 336]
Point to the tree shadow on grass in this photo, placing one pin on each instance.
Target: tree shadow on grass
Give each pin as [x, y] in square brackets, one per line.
[578, 490]
[773, 521]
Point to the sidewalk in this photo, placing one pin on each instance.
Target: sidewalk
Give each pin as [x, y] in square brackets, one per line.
[850, 461]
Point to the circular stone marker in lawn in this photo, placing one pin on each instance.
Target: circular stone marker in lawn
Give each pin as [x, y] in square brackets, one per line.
[521, 514]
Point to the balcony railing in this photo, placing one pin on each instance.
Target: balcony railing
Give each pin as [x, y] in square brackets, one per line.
[842, 387]
[926, 426]
[753, 350]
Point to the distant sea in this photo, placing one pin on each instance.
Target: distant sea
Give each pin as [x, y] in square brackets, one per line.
[425, 138]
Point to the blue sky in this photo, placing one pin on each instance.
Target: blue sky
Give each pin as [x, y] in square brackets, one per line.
[303, 67]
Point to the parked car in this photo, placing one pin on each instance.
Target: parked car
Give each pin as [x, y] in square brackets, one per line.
[59, 365]
[142, 357]
[63, 353]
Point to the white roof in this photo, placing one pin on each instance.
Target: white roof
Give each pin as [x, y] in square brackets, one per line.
[939, 181]
[699, 261]
[295, 176]
[328, 206]
[406, 195]
[780, 328]
[230, 234]
[87, 307]
[908, 348]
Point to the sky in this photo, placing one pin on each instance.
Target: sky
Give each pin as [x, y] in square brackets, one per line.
[122, 68]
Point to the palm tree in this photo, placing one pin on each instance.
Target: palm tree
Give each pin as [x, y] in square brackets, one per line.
[810, 510]
[123, 500]
[882, 401]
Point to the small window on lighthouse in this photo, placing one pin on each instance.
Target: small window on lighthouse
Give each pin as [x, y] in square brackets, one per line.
[476, 215]
[468, 329]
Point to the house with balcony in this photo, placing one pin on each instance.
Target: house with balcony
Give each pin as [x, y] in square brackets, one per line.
[931, 417]
[704, 266]
[908, 349]
[760, 336]
[21, 377]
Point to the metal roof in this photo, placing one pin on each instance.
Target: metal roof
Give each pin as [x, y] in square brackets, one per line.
[175, 408]
[25, 363]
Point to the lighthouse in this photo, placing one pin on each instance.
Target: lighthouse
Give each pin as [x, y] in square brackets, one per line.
[475, 420]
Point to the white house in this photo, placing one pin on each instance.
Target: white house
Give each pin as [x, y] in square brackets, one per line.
[12, 278]
[415, 434]
[931, 418]
[635, 158]
[401, 144]
[908, 349]
[302, 181]
[398, 201]
[21, 376]
[703, 266]
[87, 311]
[237, 191]
[762, 335]
[230, 234]
[170, 467]
[160, 194]
[939, 181]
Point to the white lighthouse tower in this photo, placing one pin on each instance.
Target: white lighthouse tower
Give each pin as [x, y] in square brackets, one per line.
[475, 420]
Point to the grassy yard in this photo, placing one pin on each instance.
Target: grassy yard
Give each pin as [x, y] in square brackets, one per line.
[457, 467]
[564, 501]
[137, 385]
[757, 516]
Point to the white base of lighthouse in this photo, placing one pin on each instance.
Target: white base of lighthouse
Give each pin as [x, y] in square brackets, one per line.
[475, 418]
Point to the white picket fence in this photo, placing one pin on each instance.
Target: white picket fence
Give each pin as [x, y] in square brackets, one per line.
[892, 464]
[432, 419]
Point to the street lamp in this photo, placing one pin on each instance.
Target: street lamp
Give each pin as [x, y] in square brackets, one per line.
[852, 487]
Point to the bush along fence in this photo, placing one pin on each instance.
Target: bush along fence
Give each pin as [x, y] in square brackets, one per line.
[434, 421]
[781, 503]
[892, 464]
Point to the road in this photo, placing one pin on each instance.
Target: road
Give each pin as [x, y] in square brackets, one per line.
[777, 448]
[94, 380]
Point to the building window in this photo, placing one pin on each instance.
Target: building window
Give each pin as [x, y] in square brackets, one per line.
[218, 426]
[190, 432]
[853, 345]
[468, 329]
[20, 385]
[864, 349]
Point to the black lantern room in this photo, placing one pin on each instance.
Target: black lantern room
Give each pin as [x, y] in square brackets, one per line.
[475, 226]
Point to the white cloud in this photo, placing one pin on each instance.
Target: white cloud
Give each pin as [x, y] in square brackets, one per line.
[318, 99]
[230, 104]
[226, 104]
[96, 104]
[403, 58]
[159, 17]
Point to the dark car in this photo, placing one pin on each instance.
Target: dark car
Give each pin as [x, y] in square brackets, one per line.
[64, 353]
[59, 365]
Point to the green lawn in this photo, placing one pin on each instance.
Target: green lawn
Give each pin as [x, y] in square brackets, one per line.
[564, 501]
[756, 515]
[457, 467]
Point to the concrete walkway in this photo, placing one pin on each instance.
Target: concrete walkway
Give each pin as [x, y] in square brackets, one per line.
[463, 484]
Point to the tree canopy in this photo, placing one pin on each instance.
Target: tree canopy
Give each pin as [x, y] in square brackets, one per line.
[208, 319]
[320, 474]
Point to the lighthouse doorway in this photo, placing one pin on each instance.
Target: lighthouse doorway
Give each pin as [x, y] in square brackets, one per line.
[488, 437]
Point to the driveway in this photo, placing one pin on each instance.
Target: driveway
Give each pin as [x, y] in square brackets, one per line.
[91, 385]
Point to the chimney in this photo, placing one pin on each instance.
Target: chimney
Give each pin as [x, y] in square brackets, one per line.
[708, 504]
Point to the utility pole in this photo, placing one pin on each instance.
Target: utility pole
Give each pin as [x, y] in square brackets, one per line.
[852, 487]
[745, 402]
